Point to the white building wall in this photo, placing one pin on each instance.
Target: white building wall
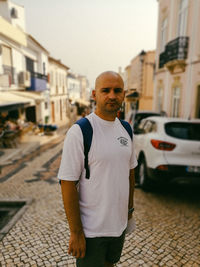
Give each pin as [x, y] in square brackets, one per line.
[58, 93]
[20, 20]
[18, 60]
[73, 88]
[4, 10]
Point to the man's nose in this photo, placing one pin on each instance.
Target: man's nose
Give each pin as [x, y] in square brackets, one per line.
[112, 94]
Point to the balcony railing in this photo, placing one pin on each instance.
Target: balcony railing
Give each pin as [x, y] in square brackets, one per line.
[38, 82]
[176, 49]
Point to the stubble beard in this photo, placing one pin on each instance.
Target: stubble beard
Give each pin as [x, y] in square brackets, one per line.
[109, 109]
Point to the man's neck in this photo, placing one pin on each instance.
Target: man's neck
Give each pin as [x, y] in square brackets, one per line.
[106, 117]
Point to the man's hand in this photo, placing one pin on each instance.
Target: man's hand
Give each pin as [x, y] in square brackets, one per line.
[77, 245]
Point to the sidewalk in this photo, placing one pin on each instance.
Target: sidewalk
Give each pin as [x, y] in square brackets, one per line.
[28, 143]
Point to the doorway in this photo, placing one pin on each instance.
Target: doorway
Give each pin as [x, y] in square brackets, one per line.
[31, 114]
[52, 111]
[197, 115]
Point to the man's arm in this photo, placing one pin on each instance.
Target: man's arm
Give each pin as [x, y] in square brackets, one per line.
[131, 191]
[77, 245]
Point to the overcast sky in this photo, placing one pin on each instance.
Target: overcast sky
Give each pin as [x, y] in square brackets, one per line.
[91, 36]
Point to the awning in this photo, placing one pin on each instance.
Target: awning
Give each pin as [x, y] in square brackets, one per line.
[10, 101]
[11, 106]
[134, 94]
[29, 95]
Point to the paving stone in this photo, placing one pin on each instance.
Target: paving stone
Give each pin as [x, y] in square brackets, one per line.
[167, 234]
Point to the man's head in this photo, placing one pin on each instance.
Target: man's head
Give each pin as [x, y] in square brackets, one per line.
[108, 94]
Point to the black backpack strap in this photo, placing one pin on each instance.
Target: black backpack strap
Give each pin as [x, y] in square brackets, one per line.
[128, 128]
[87, 132]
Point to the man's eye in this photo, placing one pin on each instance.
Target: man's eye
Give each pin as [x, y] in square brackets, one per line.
[105, 90]
[118, 90]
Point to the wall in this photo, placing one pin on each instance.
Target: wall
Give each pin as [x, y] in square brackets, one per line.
[15, 34]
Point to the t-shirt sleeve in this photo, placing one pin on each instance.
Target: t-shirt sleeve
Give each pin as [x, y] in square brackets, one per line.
[72, 160]
[133, 160]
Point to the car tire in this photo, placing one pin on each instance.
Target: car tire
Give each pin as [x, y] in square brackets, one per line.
[143, 178]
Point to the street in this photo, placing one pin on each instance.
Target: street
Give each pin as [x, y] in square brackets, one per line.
[168, 219]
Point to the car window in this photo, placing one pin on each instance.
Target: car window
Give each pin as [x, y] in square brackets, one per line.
[182, 130]
[141, 116]
[149, 126]
[141, 125]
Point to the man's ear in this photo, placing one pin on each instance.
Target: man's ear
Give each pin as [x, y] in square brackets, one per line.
[94, 94]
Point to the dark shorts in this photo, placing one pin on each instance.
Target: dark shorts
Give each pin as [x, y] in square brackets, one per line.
[100, 250]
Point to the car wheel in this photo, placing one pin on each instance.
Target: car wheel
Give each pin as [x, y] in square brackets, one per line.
[142, 175]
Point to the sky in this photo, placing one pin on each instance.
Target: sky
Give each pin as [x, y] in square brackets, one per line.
[92, 36]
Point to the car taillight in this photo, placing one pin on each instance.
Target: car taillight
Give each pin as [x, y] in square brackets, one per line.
[162, 145]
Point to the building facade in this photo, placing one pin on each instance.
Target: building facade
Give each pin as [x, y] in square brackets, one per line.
[59, 99]
[33, 85]
[177, 78]
[139, 82]
[12, 63]
[36, 63]
[24, 86]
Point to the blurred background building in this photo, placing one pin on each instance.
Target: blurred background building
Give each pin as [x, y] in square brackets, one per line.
[34, 87]
[139, 82]
[177, 77]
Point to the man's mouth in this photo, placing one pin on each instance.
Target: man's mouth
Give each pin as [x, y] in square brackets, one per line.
[112, 103]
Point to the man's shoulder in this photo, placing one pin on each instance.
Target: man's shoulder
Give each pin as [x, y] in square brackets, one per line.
[73, 131]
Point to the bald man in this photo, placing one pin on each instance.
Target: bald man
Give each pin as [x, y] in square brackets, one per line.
[98, 211]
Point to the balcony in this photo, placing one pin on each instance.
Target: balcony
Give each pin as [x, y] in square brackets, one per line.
[38, 82]
[175, 54]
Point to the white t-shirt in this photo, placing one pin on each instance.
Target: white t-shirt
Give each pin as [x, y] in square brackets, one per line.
[103, 198]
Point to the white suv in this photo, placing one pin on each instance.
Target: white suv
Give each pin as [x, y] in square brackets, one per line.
[168, 149]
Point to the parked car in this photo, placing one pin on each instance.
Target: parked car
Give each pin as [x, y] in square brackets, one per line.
[135, 117]
[167, 149]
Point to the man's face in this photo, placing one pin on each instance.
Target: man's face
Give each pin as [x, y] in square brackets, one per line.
[109, 93]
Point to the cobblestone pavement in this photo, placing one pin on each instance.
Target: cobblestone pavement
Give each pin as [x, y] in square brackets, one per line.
[168, 221]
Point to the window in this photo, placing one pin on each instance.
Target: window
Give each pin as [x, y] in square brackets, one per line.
[7, 63]
[163, 35]
[14, 13]
[29, 64]
[149, 126]
[183, 130]
[44, 68]
[6, 56]
[175, 102]
[51, 77]
[60, 80]
[141, 126]
[46, 105]
[182, 17]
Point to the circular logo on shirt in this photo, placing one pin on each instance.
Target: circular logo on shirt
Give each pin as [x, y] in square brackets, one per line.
[123, 141]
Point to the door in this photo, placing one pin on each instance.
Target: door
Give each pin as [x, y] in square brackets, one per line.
[31, 114]
[60, 109]
[52, 111]
[197, 115]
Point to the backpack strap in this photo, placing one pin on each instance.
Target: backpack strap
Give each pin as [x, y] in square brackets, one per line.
[87, 132]
[128, 128]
